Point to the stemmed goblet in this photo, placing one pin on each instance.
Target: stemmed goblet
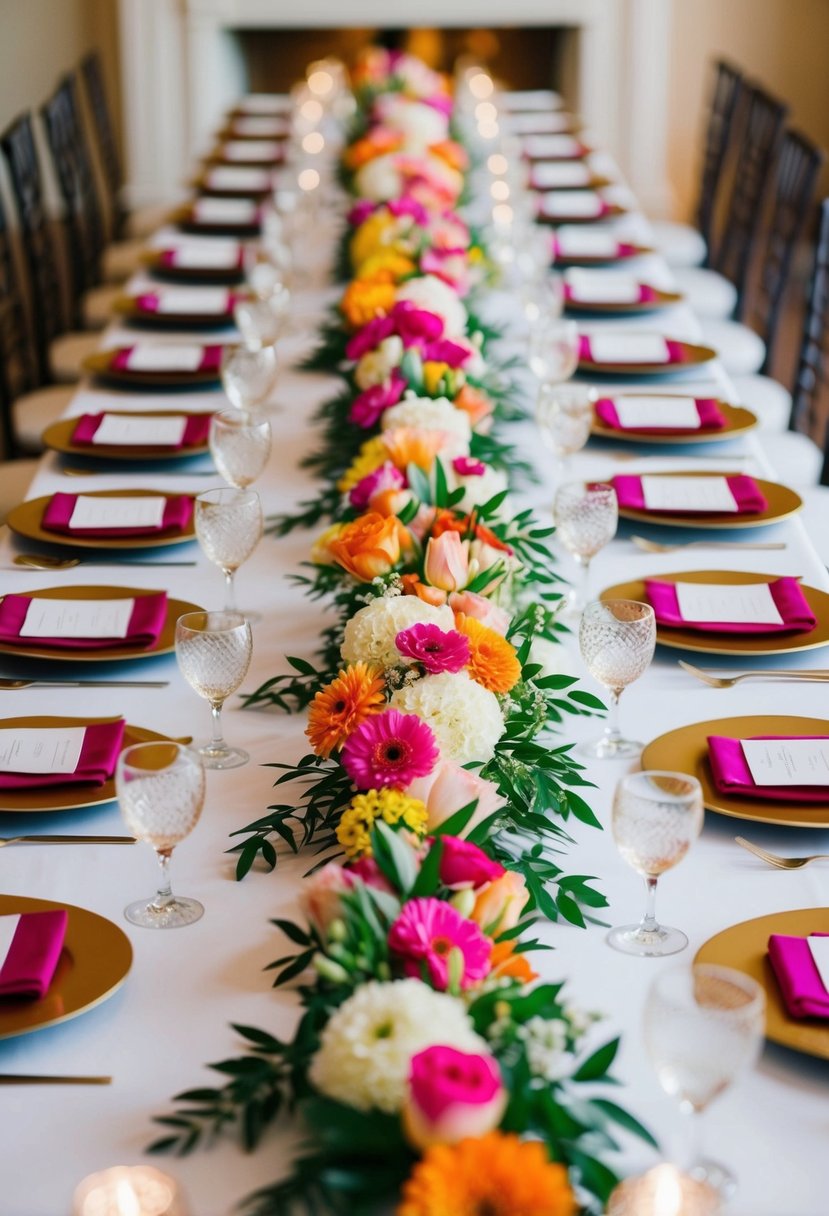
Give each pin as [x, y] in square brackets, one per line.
[229, 526]
[554, 349]
[586, 516]
[564, 414]
[160, 790]
[249, 372]
[213, 650]
[240, 442]
[657, 816]
[617, 639]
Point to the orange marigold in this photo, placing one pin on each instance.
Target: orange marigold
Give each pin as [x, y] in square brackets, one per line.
[492, 660]
[494, 1175]
[342, 705]
[365, 299]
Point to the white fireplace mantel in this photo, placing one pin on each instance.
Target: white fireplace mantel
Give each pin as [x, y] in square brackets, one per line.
[181, 71]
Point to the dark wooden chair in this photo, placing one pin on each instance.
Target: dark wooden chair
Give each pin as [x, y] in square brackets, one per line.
[104, 127]
[722, 126]
[810, 376]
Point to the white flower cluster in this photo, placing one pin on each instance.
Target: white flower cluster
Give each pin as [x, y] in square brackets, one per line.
[477, 490]
[369, 635]
[377, 365]
[465, 717]
[419, 124]
[545, 1043]
[368, 1043]
[429, 414]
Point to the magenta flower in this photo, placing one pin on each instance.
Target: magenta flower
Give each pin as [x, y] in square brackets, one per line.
[415, 325]
[467, 466]
[360, 212]
[452, 1095]
[408, 206]
[368, 871]
[437, 649]
[387, 477]
[463, 864]
[368, 406]
[369, 336]
[428, 931]
[389, 749]
[446, 351]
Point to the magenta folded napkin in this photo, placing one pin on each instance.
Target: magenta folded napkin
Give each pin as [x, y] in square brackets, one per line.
[211, 361]
[148, 301]
[196, 430]
[169, 260]
[145, 625]
[99, 754]
[799, 979]
[33, 955]
[788, 597]
[623, 250]
[676, 353]
[731, 774]
[710, 416]
[178, 510]
[647, 295]
[747, 495]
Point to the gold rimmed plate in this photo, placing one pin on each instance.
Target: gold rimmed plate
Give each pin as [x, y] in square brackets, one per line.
[631, 251]
[26, 519]
[661, 299]
[93, 964]
[186, 219]
[131, 309]
[28, 647]
[782, 503]
[100, 365]
[612, 212]
[736, 644]
[686, 751]
[738, 421]
[58, 436]
[745, 948]
[155, 261]
[67, 797]
[691, 354]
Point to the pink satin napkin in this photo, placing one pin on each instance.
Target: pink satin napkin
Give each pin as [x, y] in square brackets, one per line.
[150, 300]
[196, 429]
[623, 250]
[145, 625]
[747, 495]
[676, 353]
[99, 754]
[169, 260]
[787, 594]
[731, 774]
[178, 510]
[709, 414]
[799, 979]
[33, 954]
[211, 361]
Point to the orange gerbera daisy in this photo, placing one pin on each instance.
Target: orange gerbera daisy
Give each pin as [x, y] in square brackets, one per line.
[492, 660]
[495, 1175]
[340, 707]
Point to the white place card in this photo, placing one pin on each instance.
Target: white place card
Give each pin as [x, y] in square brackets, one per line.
[629, 347]
[576, 242]
[266, 103]
[819, 950]
[601, 287]
[638, 412]
[261, 128]
[182, 300]
[116, 430]
[8, 928]
[530, 99]
[552, 146]
[146, 511]
[688, 494]
[579, 203]
[251, 150]
[224, 211]
[530, 122]
[787, 761]
[208, 255]
[752, 604]
[77, 618]
[43, 750]
[559, 175]
[229, 177]
[158, 357]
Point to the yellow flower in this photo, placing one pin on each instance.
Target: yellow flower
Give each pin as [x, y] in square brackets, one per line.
[321, 554]
[371, 455]
[387, 261]
[433, 373]
[369, 237]
[392, 806]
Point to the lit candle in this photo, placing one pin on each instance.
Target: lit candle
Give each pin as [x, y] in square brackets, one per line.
[663, 1191]
[129, 1190]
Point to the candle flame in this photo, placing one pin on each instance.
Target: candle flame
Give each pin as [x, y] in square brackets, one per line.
[667, 1194]
[126, 1199]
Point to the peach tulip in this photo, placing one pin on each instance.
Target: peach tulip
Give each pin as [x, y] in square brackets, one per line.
[499, 906]
[447, 562]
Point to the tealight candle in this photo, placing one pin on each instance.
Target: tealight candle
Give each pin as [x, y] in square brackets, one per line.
[129, 1190]
[663, 1191]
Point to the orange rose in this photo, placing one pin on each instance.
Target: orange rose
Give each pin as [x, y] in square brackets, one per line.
[369, 546]
[451, 153]
[474, 403]
[498, 907]
[365, 299]
[378, 143]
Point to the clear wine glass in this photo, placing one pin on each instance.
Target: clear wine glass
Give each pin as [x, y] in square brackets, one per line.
[704, 1027]
[617, 639]
[564, 414]
[657, 816]
[229, 526]
[249, 372]
[213, 651]
[554, 349]
[586, 516]
[240, 441]
[160, 790]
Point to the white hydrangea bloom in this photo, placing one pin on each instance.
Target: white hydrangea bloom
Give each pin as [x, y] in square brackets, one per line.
[369, 635]
[380, 179]
[419, 124]
[376, 366]
[429, 414]
[429, 292]
[465, 717]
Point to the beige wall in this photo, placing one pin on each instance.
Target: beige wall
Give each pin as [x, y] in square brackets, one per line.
[782, 43]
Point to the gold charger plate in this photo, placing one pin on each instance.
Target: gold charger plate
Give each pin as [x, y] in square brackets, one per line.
[693, 356]
[26, 520]
[738, 644]
[782, 503]
[663, 300]
[128, 307]
[209, 275]
[636, 251]
[58, 436]
[166, 639]
[745, 948]
[68, 797]
[184, 218]
[93, 964]
[738, 421]
[686, 751]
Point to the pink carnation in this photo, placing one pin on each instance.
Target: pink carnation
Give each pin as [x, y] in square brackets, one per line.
[387, 477]
[437, 649]
[389, 749]
[427, 931]
[368, 406]
[463, 864]
[467, 466]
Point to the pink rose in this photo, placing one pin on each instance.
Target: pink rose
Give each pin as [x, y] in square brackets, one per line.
[447, 562]
[463, 864]
[321, 896]
[368, 337]
[449, 232]
[452, 1095]
[448, 788]
[368, 407]
[499, 906]
[387, 477]
[483, 610]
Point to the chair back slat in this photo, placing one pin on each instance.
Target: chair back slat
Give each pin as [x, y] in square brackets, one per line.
[727, 94]
[18, 367]
[811, 365]
[93, 78]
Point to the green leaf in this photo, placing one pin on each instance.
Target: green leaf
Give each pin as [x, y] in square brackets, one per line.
[625, 1120]
[595, 1067]
[428, 878]
[419, 483]
[292, 931]
[441, 488]
[455, 823]
[394, 858]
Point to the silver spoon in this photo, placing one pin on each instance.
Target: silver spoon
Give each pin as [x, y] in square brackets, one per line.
[45, 561]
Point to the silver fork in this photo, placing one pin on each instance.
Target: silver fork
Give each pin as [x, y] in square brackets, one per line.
[780, 863]
[817, 675]
[4, 840]
[652, 546]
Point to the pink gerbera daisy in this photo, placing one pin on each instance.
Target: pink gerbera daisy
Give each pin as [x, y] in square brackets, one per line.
[389, 749]
[427, 931]
[437, 649]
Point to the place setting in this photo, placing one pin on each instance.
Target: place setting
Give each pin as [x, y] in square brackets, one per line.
[246, 125]
[178, 307]
[669, 419]
[575, 206]
[554, 175]
[586, 246]
[704, 500]
[219, 217]
[207, 260]
[234, 181]
[561, 144]
[106, 519]
[638, 353]
[255, 153]
[613, 293]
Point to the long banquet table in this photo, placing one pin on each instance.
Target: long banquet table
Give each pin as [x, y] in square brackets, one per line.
[173, 1015]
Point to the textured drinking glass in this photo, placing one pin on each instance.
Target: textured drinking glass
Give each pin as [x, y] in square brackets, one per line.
[704, 1026]
[586, 517]
[564, 413]
[554, 349]
[229, 526]
[249, 372]
[213, 651]
[657, 816]
[617, 639]
[240, 441]
[160, 790]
